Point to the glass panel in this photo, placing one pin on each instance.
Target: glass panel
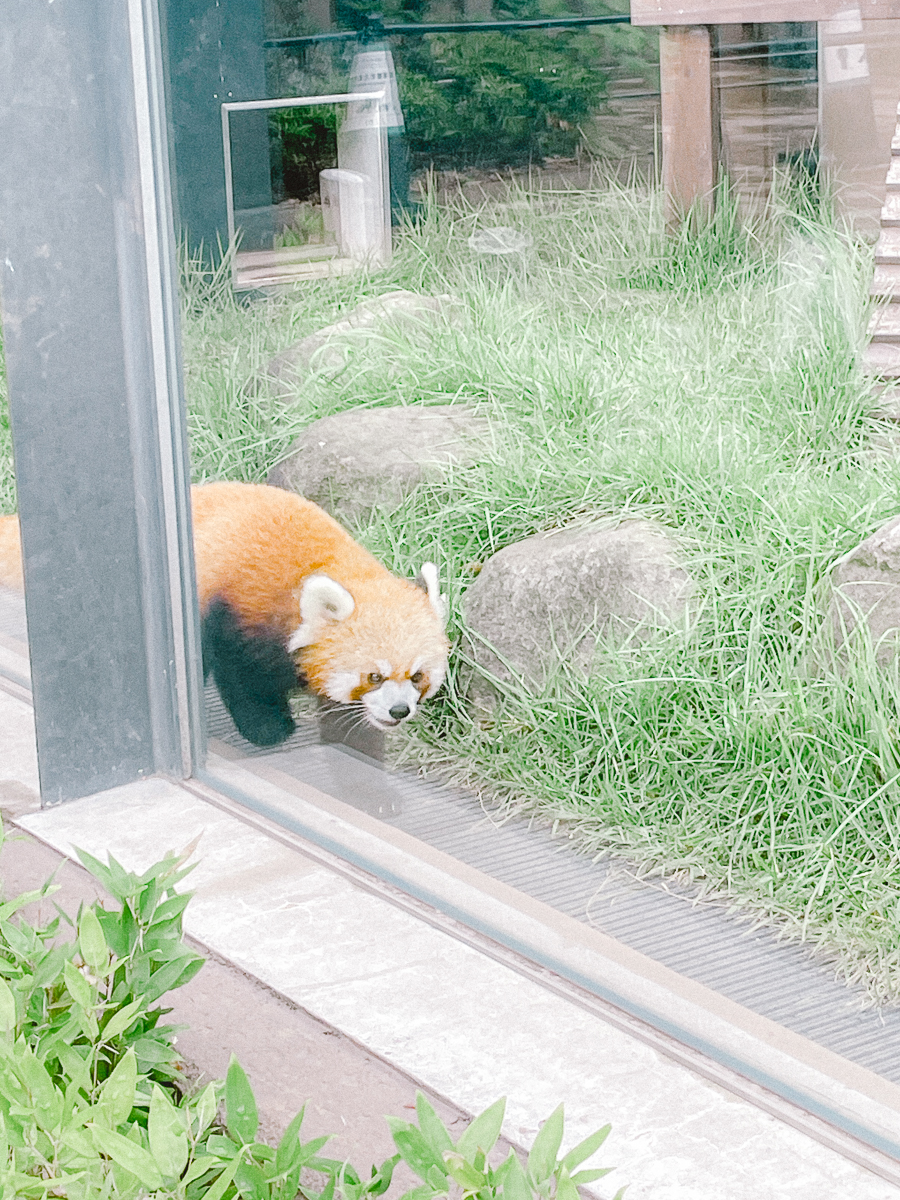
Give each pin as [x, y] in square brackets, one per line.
[327, 209]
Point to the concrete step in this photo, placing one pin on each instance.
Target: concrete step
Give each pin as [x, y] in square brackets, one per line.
[893, 175]
[885, 324]
[890, 214]
[887, 248]
[886, 281]
[881, 359]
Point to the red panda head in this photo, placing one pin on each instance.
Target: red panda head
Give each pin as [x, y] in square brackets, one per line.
[382, 650]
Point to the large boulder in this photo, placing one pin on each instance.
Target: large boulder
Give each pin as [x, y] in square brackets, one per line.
[365, 458]
[327, 350]
[866, 586]
[548, 597]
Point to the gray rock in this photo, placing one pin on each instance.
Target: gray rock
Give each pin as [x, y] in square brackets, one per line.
[357, 460]
[548, 597]
[866, 586]
[327, 351]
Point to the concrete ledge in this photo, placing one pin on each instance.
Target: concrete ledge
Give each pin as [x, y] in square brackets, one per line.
[845, 1095]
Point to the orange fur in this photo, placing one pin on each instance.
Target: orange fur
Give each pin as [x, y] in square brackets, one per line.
[255, 546]
[10, 554]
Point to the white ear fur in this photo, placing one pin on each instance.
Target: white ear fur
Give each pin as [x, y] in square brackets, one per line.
[322, 601]
[428, 574]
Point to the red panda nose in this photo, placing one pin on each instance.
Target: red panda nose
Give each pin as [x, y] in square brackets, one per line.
[399, 711]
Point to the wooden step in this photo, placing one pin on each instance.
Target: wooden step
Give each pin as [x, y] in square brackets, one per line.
[886, 283]
[881, 359]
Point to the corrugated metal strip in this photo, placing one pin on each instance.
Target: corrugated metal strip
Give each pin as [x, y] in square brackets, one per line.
[701, 940]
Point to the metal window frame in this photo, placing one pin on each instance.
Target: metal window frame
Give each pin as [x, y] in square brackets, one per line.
[92, 345]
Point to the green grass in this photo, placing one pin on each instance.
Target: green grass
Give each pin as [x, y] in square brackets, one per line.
[709, 383]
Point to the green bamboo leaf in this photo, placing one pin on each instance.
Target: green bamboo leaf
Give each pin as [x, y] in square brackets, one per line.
[218, 1189]
[515, 1184]
[80, 990]
[423, 1192]
[381, 1179]
[128, 1155]
[171, 909]
[414, 1150]
[98, 870]
[589, 1176]
[75, 1066]
[542, 1158]
[482, 1134]
[241, 1116]
[12, 906]
[585, 1149]
[433, 1128]
[251, 1182]
[463, 1172]
[290, 1150]
[203, 1110]
[174, 974]
[167, 1133]
[7, 1007]
[92, 943]
[206, 1162]
[216, 1143]
[47, 1100]
[565, 1188]
[117, 1095]
[121, 1020]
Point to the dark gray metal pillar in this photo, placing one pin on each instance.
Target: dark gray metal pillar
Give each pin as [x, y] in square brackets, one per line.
[214, 51]
[92, 351]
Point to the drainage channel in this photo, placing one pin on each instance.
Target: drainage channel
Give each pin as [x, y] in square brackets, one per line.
[663, 923]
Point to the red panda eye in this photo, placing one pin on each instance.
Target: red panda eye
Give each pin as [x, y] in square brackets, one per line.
[374, 677]
[417, 677]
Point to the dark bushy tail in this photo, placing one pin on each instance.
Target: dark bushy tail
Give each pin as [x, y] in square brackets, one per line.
[254, 673]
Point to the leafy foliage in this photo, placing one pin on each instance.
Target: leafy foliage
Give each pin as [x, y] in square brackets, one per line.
[91, 1102]
[487, 98]
[307, 139]
[495, 99]
[464, 1169]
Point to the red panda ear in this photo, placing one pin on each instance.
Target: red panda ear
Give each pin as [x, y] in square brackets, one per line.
[322, 602]
[427, 580]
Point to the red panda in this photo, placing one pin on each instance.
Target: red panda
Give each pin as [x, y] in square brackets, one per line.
[288, 598]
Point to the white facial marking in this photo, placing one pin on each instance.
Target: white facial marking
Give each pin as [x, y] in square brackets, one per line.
[417, 665]
[384, 668]
[340, 684]
[379, 702]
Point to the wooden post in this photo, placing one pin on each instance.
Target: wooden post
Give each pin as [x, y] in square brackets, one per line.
[688, 139]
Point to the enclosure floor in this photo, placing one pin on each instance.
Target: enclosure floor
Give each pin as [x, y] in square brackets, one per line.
[699, 939]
